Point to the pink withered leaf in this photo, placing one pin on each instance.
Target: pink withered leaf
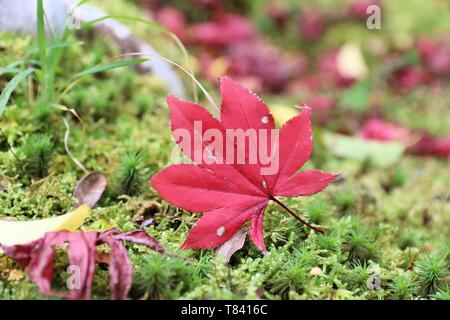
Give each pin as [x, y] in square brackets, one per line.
[408, 78]
[174, 20]
[90, 189]
[358, 8]
[417, 143]
[39, 257]
[277, 13]
[311, 23]
[435, 54]
[226, 30]
[428, 145]
[378, 129]
[266, 63]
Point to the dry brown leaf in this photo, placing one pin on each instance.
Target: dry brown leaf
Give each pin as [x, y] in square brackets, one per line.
[145, 214]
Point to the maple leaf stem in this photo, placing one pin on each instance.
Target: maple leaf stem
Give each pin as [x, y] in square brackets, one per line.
[292, 213]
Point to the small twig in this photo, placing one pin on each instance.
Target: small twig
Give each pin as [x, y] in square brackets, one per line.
[31, 89]
[292, 213]
[12, 151]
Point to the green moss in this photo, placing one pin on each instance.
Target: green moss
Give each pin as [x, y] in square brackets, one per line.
[432, 274]
[37, 152]
[132, 175]
[318, 211]
[360, 246]
[403, 286]
[345, 200]
[443, 294]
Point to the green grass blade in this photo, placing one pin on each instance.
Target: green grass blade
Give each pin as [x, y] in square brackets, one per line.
[108, 66]
[16, 63]
[9, 70]
[42, 48]
[55, 54]
[57, 45]
[42, 42]
[6, 93]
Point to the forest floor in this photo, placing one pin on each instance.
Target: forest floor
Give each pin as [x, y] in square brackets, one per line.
[388, 222]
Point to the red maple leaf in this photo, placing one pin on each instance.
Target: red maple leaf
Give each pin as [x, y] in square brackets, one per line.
[232, 193]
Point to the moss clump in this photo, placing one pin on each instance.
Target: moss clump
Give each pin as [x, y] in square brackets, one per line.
[360, 246]
[161, 277]
[318, 211]
[443, 294]
[293, 275]
[345, 200]
[403, 286]
[132, 175]
[432, 275]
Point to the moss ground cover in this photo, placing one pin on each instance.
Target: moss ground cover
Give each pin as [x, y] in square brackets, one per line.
[390, 224]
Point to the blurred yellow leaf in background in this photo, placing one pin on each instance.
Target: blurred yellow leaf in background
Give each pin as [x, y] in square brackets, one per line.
[281, 114]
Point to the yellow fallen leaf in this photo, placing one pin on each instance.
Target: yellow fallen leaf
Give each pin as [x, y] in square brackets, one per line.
[219, 67]
[281, 114]
[15, 275]
[21, 232]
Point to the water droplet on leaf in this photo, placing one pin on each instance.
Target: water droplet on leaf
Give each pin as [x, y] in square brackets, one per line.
[220, 231]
